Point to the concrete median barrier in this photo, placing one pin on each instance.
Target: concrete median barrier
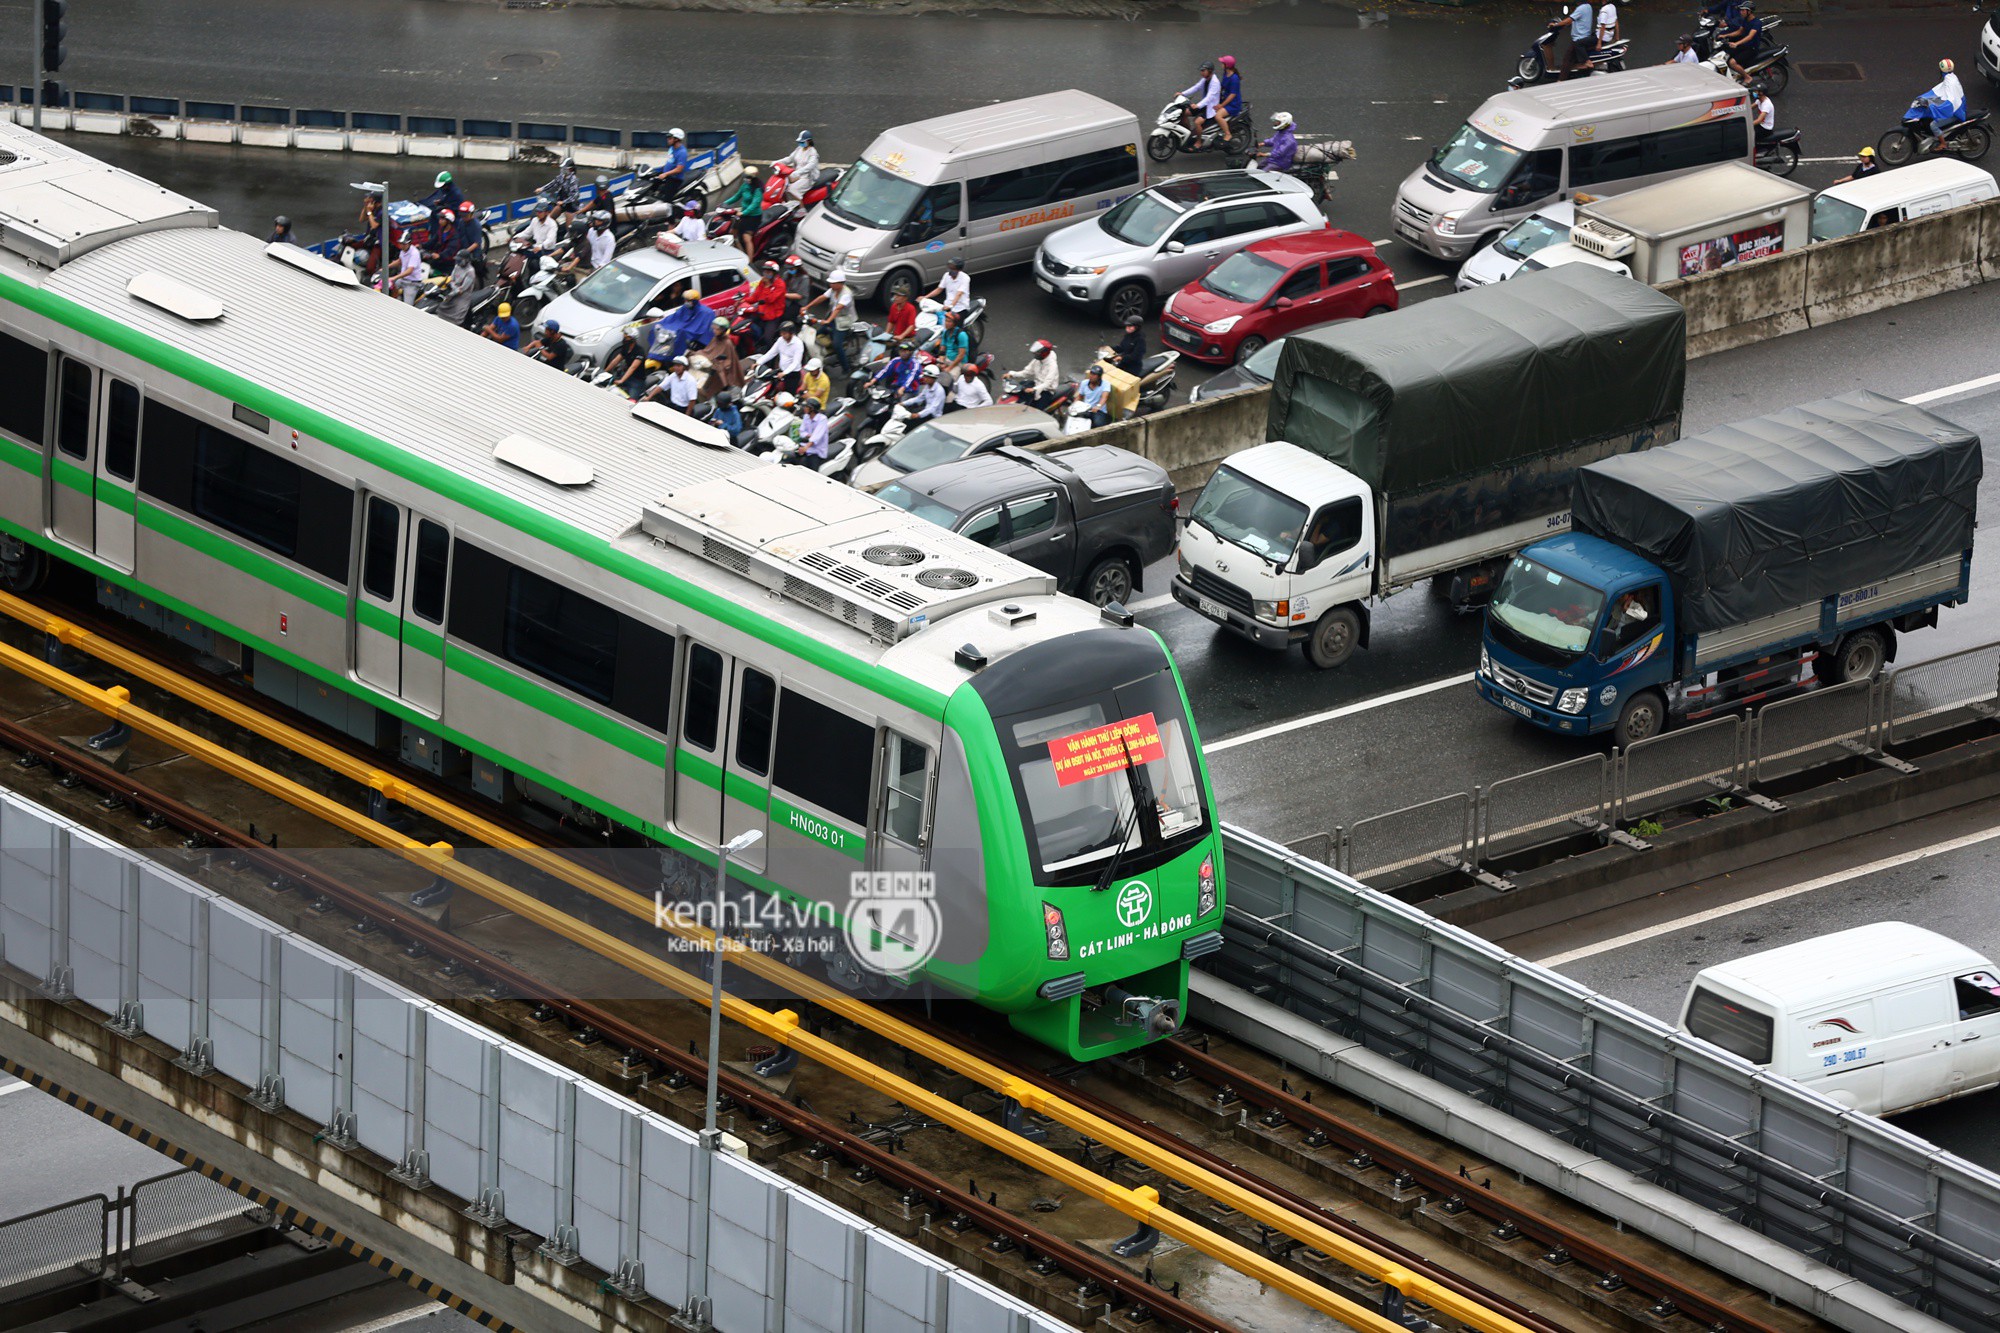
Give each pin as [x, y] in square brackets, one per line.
[1189, 440]
[1748, 303]
[1893, 265]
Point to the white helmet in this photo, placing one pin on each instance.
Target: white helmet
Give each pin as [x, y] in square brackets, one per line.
[786, 401]
[676, 132]
[931, 372]
[1946, 66]
[838, 275]
[1281, 118]
[812, 366]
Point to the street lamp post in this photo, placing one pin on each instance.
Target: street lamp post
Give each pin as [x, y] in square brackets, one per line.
[382, 266]
[697, 1315]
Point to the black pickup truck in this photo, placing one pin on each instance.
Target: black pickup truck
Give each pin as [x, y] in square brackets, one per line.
[1094, 517]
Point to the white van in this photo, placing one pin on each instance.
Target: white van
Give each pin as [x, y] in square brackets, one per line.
[1605, 134]
[983, 186]
[1897, 196]
[1569, 252]
[1882, 1018]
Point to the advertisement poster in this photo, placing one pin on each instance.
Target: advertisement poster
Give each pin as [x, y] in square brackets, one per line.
[1707, 256]
[1101, 750]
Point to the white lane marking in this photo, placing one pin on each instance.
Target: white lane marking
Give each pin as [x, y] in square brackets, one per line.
[1145, 604]
[1826, 159]
[1386, 240]
[1966, 387]
[1345, 710]
[1435, 277]
[13, 1088]
[1774, 896]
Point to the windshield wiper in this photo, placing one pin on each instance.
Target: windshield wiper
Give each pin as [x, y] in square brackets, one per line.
[1143, 799]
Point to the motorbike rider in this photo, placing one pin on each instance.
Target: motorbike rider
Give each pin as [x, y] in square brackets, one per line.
[688, 326]
[900, 371]
[1582, 24]
[671, 174]
[472, 240]
[927, 399]
[566, 190]
[1607, 24]
[789, 352]
[542, 232]
[459, 291]
[954, 289]
[627, 363]
[281, 232]
[1684, 53]
[596, 250]
[1130, 353]
[1202, 96]
[798, 286]
[1041, 373]
[551, 349]
[691, 227]
[503, 328]
[1230, 104]
[444, 194]
[444, 238]
[954, 345]
[725, 367]
[804, 159]
[727, 414]
[1945, 103]
[1745, 42]
[1093, 396]
[748, 201]
[838, 324]
[902, 316]
[1865, 166]
[814, 438]
[766, 301]
[1766, 115]
[814, 381]
[407, 278]
[1282, 148]
[970, 391]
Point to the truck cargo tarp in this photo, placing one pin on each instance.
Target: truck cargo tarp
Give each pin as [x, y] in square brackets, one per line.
[1764, 515]
[1462, 385]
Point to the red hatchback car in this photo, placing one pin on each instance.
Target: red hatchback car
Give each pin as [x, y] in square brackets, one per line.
[1267, 290]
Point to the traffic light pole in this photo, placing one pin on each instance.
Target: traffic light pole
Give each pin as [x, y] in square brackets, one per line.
[49, 53]
[35, 18]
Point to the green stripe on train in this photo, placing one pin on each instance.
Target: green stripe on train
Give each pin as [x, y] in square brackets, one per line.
[278, 574]
[443, 481]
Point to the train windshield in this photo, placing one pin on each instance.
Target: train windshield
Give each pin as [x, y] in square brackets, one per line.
[1106, 779]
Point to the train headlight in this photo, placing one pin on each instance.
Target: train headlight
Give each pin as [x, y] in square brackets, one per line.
[1205, 899]
[1055, 931]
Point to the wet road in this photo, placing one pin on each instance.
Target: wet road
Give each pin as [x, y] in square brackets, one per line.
[1408, 728]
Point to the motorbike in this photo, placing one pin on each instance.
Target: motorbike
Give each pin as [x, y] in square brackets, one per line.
[1773, 68]
[1170, 135]
[1920, 134]
[545, 285]
[780, 180]
[1538, 63]
[1158, 376]
[1313, 164]
[930, 316]
[1779, 154]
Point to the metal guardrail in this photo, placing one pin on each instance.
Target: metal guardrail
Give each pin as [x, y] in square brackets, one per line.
[108, 1237]
[1845, 1190]
[1604, 793]
[177, 1209]
[53, 1247]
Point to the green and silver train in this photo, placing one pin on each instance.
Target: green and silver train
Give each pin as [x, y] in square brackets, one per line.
[586, 610]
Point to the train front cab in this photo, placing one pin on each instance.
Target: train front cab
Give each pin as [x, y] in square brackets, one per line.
[1095, 827]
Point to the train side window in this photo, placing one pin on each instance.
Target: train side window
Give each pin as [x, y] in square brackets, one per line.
[433, 555]
[74, 381]
[906, 778]
[700, 718]
[24, 369]
[824, 756]
[559, 633]
[379, 546]
[247, 490]
[121, 432]
[755, 711]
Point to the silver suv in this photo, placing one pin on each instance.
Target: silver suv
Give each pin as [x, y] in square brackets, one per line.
[1161, 239]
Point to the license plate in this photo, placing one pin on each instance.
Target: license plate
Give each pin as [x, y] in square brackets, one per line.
[1045, 284]
[1212, 610]
[1515, 706]
[1408, 232]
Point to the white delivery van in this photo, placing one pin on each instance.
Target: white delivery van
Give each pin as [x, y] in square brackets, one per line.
[1605, 134]
[1701, 222]
[983, 186]
[1882, 1018]
[1569, 252]
[1897, 196]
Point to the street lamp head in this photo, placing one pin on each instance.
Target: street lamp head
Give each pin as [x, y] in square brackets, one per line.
[376, 186]
[743, 841]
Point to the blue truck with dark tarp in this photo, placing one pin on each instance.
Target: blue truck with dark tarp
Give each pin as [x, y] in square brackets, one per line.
[1712, 573]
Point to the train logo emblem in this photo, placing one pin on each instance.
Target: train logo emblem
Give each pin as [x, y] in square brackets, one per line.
[1135, 903]
[893, 923]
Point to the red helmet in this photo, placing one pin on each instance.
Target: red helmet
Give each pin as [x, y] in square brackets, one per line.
[1041, 347]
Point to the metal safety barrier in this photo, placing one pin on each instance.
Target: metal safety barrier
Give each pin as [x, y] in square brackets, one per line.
[1436, 830]
[1848, 1191]
[1533, 807]
[177, 1210]
[1806, 730]
[1675, 767]
[1925, 698]
[51, 1248]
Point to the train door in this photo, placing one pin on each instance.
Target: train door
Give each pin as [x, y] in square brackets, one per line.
[117, 472]
[399, 617]
[72, 503]
[901, 836]
[746, 778]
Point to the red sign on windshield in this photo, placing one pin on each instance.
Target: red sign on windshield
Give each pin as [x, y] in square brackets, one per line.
[1090, 754]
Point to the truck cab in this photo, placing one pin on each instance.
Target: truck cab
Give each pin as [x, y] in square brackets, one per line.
[1280, 550]
[1579, 635]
